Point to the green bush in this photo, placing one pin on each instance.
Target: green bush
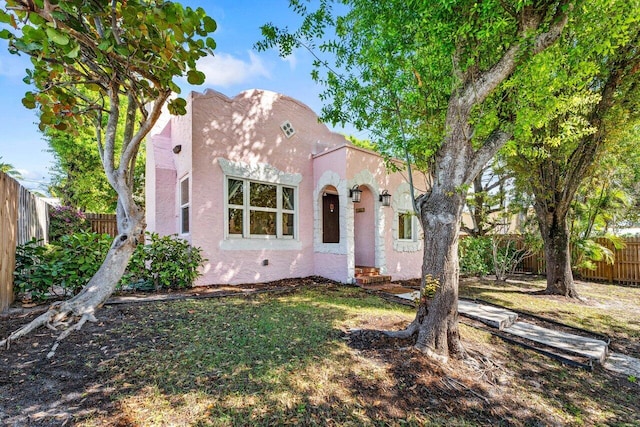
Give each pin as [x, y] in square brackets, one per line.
[165, 262]
[66, 220]
[66, 264]
[31, 273]
[69, 263]
[476, 256]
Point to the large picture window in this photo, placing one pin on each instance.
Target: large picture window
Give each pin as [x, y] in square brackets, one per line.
[184, 205]
[260, 210]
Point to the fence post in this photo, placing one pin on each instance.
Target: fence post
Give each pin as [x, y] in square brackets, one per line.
[8, 235]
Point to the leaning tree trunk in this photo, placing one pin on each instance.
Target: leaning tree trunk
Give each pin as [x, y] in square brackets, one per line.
[70, 315]
[557, 254]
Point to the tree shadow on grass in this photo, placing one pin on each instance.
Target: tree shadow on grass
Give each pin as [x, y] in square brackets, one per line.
[264, 361]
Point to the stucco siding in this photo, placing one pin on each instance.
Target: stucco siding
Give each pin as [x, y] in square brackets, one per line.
[242, 139]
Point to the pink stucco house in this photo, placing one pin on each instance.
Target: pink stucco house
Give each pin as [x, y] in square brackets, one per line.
[267, 192]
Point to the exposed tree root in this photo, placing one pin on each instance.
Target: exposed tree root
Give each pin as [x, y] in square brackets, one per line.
[408, 332]
[71, 315]
[60, 316]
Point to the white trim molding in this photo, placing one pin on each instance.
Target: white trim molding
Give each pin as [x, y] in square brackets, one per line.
[259, 172]
[366, 178]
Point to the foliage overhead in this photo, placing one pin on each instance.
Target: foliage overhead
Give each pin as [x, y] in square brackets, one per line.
[395, 64]
[136, 46]
[86, 55]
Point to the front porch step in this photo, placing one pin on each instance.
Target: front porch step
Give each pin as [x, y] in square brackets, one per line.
[368, 280]
[366, 271]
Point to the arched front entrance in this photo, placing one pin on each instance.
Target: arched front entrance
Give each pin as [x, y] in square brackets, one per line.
[364, 229]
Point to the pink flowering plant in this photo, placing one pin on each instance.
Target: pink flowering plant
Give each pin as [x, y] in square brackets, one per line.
[66, 220]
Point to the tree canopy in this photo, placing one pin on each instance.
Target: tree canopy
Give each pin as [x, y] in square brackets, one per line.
[86, 55]
[421, 77]
[585, 99]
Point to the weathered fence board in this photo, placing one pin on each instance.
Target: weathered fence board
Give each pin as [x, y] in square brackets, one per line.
[33, 218]
[9, 189]
[103, 223]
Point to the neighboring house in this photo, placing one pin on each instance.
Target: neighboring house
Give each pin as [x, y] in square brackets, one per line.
[265, 190]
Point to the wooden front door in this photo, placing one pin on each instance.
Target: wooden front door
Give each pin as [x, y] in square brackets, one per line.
[330, 219]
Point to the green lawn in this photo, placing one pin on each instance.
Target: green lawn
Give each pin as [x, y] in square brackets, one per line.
[286, 360]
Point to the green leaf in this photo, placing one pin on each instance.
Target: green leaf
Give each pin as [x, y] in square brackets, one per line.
[73, 53]
[56, 37]
[5, 18]
[5, 34]
[211, 43]
[29, 101]
[195, 77]
[104, 45]
[209, 24]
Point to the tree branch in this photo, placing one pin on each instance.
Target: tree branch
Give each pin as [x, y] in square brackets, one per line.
[477, 90]
[490, 147]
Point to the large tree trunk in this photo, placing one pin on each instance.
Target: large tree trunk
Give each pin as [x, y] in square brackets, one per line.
[440, 214]
[438, 331]
[557, 253]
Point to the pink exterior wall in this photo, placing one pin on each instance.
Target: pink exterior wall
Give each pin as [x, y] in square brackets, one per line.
[242, 136]
[401, 261]
[364, 230]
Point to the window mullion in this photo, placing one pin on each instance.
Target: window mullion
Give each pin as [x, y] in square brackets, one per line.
[278, 211]
[245, 209]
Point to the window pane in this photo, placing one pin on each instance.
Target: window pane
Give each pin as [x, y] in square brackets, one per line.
[235, 221]
[404, 226]
[184, 192]
[185, 219]
[236, 192]
[262, 195]
[287, 224]
[287, 198]
[263, 223]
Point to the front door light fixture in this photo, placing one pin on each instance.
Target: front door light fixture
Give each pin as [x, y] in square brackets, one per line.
[355, 193]
[385, 198]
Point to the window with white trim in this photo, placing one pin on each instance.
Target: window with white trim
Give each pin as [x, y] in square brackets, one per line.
[260, 210]
[184, 205]
[405, 226]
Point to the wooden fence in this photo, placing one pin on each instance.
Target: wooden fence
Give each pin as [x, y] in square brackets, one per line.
[23, 216]
[103, 223]
[625, 268]
[9, 190]
[33, 218]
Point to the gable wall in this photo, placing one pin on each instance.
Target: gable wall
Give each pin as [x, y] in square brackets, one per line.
[246, 130]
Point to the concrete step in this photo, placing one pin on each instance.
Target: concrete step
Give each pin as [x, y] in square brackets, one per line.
[367, 280]
[495, 317]
[588, 347]
[507, 321]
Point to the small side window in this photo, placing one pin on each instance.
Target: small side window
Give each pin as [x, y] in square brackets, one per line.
[184, 206]
[405, 226]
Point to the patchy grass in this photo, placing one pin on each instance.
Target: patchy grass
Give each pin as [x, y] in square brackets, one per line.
[609, 309]
[291, 360]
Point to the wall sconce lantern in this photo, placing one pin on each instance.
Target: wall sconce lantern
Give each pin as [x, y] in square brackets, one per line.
[355, 193]
[385, 198]
[177, 149]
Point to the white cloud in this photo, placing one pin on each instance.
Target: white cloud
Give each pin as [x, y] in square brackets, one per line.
[292, 60]
[225, 70]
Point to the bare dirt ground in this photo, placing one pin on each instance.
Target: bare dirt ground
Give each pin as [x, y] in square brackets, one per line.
[36, 391]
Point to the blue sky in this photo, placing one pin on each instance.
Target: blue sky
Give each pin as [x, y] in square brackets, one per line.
[235, 67]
